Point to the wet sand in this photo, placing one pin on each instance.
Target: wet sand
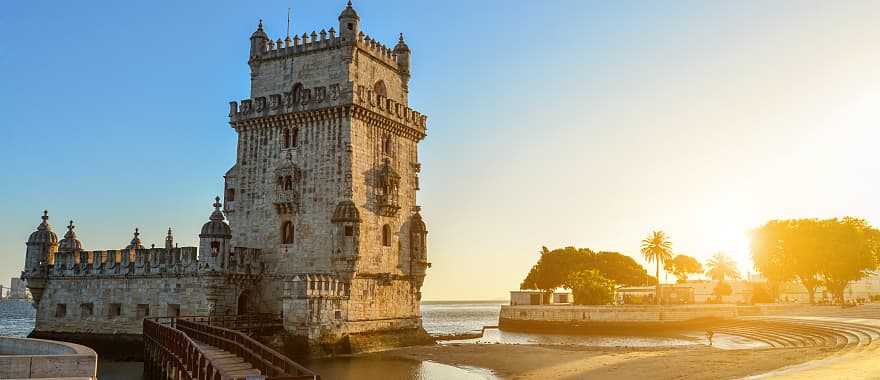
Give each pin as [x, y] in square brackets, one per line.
[578, 362]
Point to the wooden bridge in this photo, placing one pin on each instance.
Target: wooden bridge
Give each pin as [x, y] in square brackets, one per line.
[215, 348]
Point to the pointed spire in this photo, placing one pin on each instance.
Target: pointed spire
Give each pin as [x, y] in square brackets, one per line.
[70, 234]
[44, 225]
[217, 215]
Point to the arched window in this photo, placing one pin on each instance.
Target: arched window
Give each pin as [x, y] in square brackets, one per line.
[287, 232]
[297, 92]
[285, 138]
[295, 137]
[386, 235]
[288, 183]
[379, 89]
[386, 145]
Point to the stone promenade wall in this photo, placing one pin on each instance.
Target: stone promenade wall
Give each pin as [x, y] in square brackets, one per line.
[22, 358]
[549, 316]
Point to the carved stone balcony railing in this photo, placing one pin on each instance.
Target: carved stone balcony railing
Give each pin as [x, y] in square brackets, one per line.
[388, 205]
[286, 201]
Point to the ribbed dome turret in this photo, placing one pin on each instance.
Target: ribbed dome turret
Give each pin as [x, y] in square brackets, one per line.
[216, 227]
[418, 225]
[136, 240]
[43, 234]
[260, 33]
[401, 46]
[346, 211]
[70, 242]
[349, 12]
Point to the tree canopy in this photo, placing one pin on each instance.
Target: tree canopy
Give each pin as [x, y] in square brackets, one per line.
[721, 267]
[555, 267]
[589, 287]
[830, 252]
[657, 248]
[683, 265]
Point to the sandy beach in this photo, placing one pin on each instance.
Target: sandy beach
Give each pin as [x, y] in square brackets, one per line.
[575, 362]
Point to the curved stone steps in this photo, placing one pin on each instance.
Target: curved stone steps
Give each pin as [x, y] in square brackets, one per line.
[789, 333]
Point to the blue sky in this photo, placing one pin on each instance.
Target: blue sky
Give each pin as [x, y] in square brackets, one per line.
[550, 123]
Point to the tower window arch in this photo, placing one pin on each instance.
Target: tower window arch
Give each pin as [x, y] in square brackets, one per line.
[294, 137]
[379, 89]
[287, 232]
[386, 145]
[386, 235]
[285, 138]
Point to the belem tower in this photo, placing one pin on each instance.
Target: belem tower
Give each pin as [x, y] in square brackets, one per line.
[319, 221]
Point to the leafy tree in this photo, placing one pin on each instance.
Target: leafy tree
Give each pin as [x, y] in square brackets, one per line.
[832, 252]
[721, 267]
[658, 249]
[589, 287]
[554, 268]
[722, 289]
[850, 247]
[682, 265]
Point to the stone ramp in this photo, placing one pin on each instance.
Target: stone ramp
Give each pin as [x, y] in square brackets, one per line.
[231, 366]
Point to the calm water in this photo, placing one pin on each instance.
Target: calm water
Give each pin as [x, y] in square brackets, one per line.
[439, 318]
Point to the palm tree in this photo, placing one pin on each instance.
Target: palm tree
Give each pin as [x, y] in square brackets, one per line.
[657, 248]
[721, 266]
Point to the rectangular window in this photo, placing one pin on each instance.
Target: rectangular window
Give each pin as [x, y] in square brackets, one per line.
[173, 310]
[114, 310]
[338, 314]
[349, 230]
[60, 310]
[143, 311]
[86, 310]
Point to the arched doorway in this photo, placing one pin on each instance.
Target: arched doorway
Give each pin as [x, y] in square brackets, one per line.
[245, 304]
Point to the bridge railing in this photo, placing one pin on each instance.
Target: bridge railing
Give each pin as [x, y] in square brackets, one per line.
[170, 353]
[270, 362]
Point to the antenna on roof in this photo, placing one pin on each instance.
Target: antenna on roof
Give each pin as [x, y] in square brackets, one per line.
[288, 23]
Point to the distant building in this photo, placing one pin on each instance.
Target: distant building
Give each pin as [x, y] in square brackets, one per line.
[18, 289]
[537, 297]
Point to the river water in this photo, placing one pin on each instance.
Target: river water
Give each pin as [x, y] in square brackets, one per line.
[439, 318]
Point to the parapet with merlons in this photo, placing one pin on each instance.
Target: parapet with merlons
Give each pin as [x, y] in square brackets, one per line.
[148, 261]
[315, 41]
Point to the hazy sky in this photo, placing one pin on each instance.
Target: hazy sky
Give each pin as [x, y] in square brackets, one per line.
[550, 122]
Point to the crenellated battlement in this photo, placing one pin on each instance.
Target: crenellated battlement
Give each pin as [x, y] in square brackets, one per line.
[148, 261]
[325, 97]
[315, 41]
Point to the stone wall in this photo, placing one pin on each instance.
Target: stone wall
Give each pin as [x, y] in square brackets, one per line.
[22, 358]
[614, 314]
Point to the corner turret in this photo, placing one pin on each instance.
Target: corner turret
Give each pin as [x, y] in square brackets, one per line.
[349, 24]
[42, 245]
[259, 40]
[214, 245]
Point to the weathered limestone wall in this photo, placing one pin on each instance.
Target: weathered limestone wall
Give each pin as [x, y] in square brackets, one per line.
[22, 358]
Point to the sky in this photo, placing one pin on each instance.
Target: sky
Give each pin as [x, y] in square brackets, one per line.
[551, 123]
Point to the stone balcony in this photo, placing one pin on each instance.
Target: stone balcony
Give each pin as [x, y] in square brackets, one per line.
[285, 201]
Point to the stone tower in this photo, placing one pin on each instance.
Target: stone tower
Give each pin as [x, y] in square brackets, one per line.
[325, 182]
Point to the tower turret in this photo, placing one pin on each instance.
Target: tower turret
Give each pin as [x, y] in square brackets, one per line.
[169, 240]
[214, 243]
[135, 240]
[349, 24]
[41, 248]
[259, 39]
[403, 56]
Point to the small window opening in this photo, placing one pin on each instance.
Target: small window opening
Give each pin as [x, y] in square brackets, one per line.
[287, 232]
[286, 138]
[215, 248]
[349, 230]
[295, 137]
[350, 26]
[338, 314]
[86, 310]
[60, 310]
[386, 235]
[114, 310]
